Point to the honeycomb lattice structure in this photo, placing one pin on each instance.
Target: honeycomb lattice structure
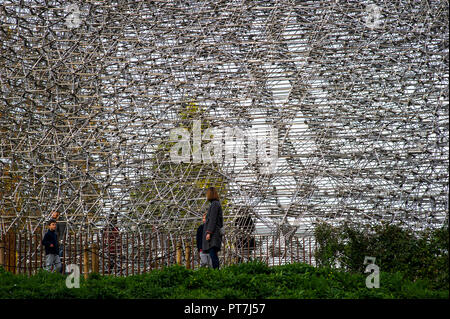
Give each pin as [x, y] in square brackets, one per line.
[356, 91]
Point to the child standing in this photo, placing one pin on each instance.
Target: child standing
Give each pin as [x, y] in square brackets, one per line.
[205, 259]
[50, 242]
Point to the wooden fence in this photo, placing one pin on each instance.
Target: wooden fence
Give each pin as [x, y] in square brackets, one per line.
[122, 253]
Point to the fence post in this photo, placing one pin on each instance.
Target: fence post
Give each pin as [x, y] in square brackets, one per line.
[2, 253]
[94, 256]
[188, 256]
[11, 252]
[86, 262]
[178, 254]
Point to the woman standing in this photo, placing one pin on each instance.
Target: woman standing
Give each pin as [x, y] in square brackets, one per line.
[211, 231]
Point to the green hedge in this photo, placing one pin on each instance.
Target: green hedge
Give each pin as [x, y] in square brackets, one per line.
[418, 255]
[250, 280]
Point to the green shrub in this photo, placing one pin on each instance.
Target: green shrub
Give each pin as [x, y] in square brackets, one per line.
[419, 255]
[255, 267]
[248, 281]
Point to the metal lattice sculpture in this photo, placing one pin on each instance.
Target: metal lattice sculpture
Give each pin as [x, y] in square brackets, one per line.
[357, 93]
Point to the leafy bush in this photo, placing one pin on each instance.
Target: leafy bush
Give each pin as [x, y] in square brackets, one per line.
[248, 281]
[420, 255]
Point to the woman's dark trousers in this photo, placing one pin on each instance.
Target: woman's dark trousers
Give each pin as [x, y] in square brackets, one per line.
[214, 258]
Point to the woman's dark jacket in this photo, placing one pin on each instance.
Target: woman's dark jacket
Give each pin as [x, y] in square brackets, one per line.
[213, 224]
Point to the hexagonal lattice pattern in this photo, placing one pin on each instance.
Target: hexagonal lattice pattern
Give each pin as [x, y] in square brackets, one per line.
[90, 90]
